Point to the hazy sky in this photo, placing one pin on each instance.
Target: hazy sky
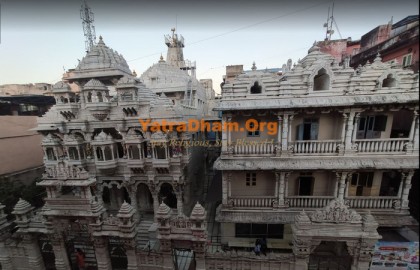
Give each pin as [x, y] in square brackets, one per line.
[39, 39]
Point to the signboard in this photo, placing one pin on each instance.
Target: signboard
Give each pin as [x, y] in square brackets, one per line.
[396, 256]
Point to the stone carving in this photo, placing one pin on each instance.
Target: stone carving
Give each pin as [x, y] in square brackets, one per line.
[336, 212]
[63, 172]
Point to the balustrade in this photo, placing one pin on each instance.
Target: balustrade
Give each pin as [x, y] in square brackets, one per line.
[309, 201]
[372, 202]
[316, 147]
[381, 145]
[254, 201]
[253, 149]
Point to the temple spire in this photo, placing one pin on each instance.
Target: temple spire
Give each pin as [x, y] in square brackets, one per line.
[175, 55]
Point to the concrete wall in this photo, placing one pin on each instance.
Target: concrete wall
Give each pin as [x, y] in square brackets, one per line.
[265, 184]
[20, 148]
[241, 120]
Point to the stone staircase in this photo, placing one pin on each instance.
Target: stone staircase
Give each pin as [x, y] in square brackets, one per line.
[80, 241]
[143, 233]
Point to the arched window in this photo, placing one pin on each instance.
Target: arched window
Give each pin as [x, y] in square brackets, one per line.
[256, 88]
[73, 154]
[389, 81]
[99, 154]
[100, 98]
[133, 152]
[89, 97]
[51, 154]
[108, 153]
[321, 80]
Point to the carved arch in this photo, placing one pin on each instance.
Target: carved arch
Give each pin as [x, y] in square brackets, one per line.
[387, 75]
[315, 71]
[256, 83]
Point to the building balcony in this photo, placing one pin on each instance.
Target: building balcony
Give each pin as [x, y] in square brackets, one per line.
[308, 201]
[377, 202]
[106, 164]
[253, 201]
[323, 147]
[379, 146]
[135, 163]
[262, 149]
[314, 202]
[160, 163]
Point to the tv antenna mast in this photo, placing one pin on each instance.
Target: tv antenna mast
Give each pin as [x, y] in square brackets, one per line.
[86, 15]
[329, 24]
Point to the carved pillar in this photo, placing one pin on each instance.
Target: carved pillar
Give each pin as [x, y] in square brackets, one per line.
[301, 250]
[285, 135]
[415, 132]
[281, 176]
[33, 252]
[179, 203]
[407, 176]
[102, 253]
[279, 135]
[341, 177]
[229, 135]
[60, 252]
[343, 133]
[133, 199]
[289, 135]
[224, 188]
[349, 132]
[155, 204]
[131, 257]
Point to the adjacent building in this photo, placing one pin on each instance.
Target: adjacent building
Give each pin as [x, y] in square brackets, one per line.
[333, 159]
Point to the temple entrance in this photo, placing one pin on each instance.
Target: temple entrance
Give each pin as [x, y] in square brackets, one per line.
[47, 252]
[330, 256]
[167, 195]
[117, 254]
[183, 259]
[144, 199]
[81, 240]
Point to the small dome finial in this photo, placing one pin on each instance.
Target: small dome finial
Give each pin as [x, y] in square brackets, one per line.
[253, 66]
[161, 59]
[134, 73]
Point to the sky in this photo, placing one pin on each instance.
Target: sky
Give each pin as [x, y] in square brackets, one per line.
[41, 39]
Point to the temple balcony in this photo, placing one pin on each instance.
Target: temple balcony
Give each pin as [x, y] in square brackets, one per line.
[135, 163]
[106, 164]
[160, 163]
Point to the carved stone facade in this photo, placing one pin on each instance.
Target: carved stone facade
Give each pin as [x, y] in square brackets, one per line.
[332, 160]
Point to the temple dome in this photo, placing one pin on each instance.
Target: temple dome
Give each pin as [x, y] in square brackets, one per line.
[101, 56]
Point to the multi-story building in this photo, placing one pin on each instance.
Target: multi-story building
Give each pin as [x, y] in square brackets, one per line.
[315, 159]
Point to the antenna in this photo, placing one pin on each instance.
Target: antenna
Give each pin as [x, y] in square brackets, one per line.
[86, 15]
[329, 24]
